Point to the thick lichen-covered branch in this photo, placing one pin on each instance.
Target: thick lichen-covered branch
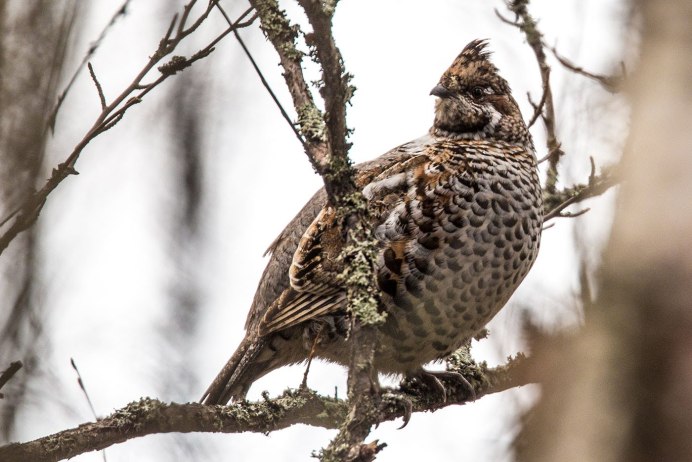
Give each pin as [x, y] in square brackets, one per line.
[149, 416]
[336, 91]
[283, 36]
[361, 247]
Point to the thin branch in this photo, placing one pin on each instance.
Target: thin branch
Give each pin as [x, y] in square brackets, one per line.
[336, 92]
[148, 416]
[573, 214]
[121, 12]
[102, 97]
[26, 215]
[612, 83]
[80, 382]
[263, 79]
[554, 203]
[8, 373]
[285, 115]
[282, 35]
[183, 18]
[505, 20]
[537, 108]
[527, 24]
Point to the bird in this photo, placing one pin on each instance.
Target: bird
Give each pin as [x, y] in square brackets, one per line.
[457, 216]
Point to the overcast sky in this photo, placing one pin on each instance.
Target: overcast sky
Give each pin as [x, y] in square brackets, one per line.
[106, 258]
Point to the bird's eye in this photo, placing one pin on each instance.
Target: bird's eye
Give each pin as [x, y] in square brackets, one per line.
[478, 92]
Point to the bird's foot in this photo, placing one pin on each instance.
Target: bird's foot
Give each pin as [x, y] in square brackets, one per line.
[434, 381]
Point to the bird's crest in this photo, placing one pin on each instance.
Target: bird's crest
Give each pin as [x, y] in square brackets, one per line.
[471, 66]
[476, 50]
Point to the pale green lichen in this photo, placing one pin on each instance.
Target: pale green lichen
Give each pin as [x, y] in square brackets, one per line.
[311, 123]
[329, 7]
[278, 29]
[290, 50]
[463, 363]
[132, 414]
[358, 258]
[350, 89]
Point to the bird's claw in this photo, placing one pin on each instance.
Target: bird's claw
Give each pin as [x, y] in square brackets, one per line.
[399, 401]
[433, 380]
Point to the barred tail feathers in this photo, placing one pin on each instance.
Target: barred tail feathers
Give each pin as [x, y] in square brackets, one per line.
[234, 380]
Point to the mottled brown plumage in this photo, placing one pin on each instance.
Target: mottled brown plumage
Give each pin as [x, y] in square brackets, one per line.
[457, 214]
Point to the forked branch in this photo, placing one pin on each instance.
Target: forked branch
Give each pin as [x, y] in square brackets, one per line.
[27, 213]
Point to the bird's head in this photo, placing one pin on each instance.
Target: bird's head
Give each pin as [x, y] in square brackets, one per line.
[475, 102]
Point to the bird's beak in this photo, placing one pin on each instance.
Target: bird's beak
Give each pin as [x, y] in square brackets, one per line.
[440, 91]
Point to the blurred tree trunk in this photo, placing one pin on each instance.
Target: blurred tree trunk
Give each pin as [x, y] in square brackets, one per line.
[33, 41]
[621, 390]
[187, 125]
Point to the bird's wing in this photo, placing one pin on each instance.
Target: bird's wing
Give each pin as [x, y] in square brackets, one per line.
[314, 273]
[275, 280]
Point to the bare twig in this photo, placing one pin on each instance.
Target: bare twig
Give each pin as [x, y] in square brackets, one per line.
[8, 373]
[121, 12]
[554, 203]
[266, 85]
[505, 20]
[26, 215]
[102, 97]
[573, 214]
[80, 382]
[148, 416]
[537, 108]
[285, 115]
[612, 83]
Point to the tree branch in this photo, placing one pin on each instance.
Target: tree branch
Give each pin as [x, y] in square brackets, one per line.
[121, 12]
[8, 373]
[26, 215]
[282, 35]
[336, 93]
[527, 24]
[556, 201]
[612, 83]
[327, 149]
[148, 416]
[266, 85]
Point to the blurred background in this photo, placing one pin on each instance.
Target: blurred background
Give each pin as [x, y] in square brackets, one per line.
[142, 268]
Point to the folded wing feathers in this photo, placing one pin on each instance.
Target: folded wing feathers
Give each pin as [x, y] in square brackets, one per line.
[305, 306]
[310, 295]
